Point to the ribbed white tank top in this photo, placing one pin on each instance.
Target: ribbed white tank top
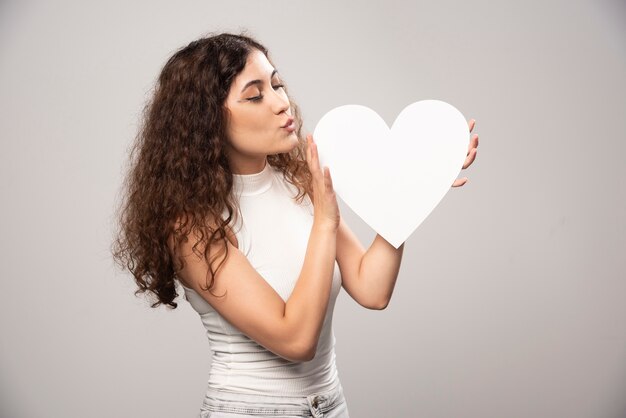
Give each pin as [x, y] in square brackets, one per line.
[273, 233]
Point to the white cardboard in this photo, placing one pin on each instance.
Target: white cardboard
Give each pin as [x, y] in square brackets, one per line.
[393, 178]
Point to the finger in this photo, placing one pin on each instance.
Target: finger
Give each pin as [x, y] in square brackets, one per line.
[316, 156]
[471, 124]
[459, 182]
[311, 153]
[470, 159]
[328, 178]
[473, 143]
[316, 171]
[308, 150]
[314, 166]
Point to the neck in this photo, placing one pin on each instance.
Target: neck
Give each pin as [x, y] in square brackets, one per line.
[248, 166]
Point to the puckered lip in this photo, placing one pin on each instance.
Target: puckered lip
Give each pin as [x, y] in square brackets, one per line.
[289, 121]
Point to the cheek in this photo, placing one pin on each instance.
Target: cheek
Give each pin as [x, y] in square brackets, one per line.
[250, 131]
[247, 122]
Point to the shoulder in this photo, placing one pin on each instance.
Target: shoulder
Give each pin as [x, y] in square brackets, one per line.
[189, 237]
[193, 235]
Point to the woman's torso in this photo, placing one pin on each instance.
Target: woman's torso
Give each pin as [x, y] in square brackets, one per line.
[273, 234]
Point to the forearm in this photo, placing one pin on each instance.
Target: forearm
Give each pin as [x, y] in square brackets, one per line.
[379, 270]
[306, 307]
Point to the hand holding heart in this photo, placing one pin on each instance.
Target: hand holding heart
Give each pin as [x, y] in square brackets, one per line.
[325, 208]
[471, 154]
[393, 178]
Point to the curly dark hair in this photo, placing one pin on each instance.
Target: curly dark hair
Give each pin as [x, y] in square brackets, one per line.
[179, 178]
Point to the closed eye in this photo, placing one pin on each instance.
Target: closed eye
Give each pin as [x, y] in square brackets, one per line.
[259, 97]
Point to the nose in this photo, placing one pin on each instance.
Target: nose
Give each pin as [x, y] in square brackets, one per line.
[281, 102]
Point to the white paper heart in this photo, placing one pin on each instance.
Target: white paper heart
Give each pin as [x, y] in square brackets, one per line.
[393, 178]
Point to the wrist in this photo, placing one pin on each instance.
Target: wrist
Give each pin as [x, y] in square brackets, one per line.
[325, 226]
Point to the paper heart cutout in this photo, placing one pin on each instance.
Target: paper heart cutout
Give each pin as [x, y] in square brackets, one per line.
[393, 178]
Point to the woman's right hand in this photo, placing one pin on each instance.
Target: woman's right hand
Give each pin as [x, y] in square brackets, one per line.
[325, 208]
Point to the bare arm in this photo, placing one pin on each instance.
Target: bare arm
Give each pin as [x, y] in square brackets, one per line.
[305, 309]
[368, 276]
[379, 270]
[290, 329]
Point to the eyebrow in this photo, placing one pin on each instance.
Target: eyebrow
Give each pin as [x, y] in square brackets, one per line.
[249, 83]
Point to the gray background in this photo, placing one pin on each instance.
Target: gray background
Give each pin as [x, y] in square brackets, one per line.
[511, 298]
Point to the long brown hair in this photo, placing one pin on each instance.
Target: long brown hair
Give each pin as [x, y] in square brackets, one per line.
[179, 176]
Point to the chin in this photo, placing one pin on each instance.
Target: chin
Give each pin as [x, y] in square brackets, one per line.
[291, 143]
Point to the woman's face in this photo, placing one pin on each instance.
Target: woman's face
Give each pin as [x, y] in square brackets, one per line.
[259, 108]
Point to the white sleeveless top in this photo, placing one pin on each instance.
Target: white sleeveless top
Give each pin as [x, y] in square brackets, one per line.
[273, 233]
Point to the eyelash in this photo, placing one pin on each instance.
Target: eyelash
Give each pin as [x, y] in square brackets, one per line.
[257, 98]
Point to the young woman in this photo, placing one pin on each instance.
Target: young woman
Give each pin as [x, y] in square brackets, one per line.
[225, 197]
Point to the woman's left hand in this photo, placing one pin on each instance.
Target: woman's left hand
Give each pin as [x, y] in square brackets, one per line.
[471, 154]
